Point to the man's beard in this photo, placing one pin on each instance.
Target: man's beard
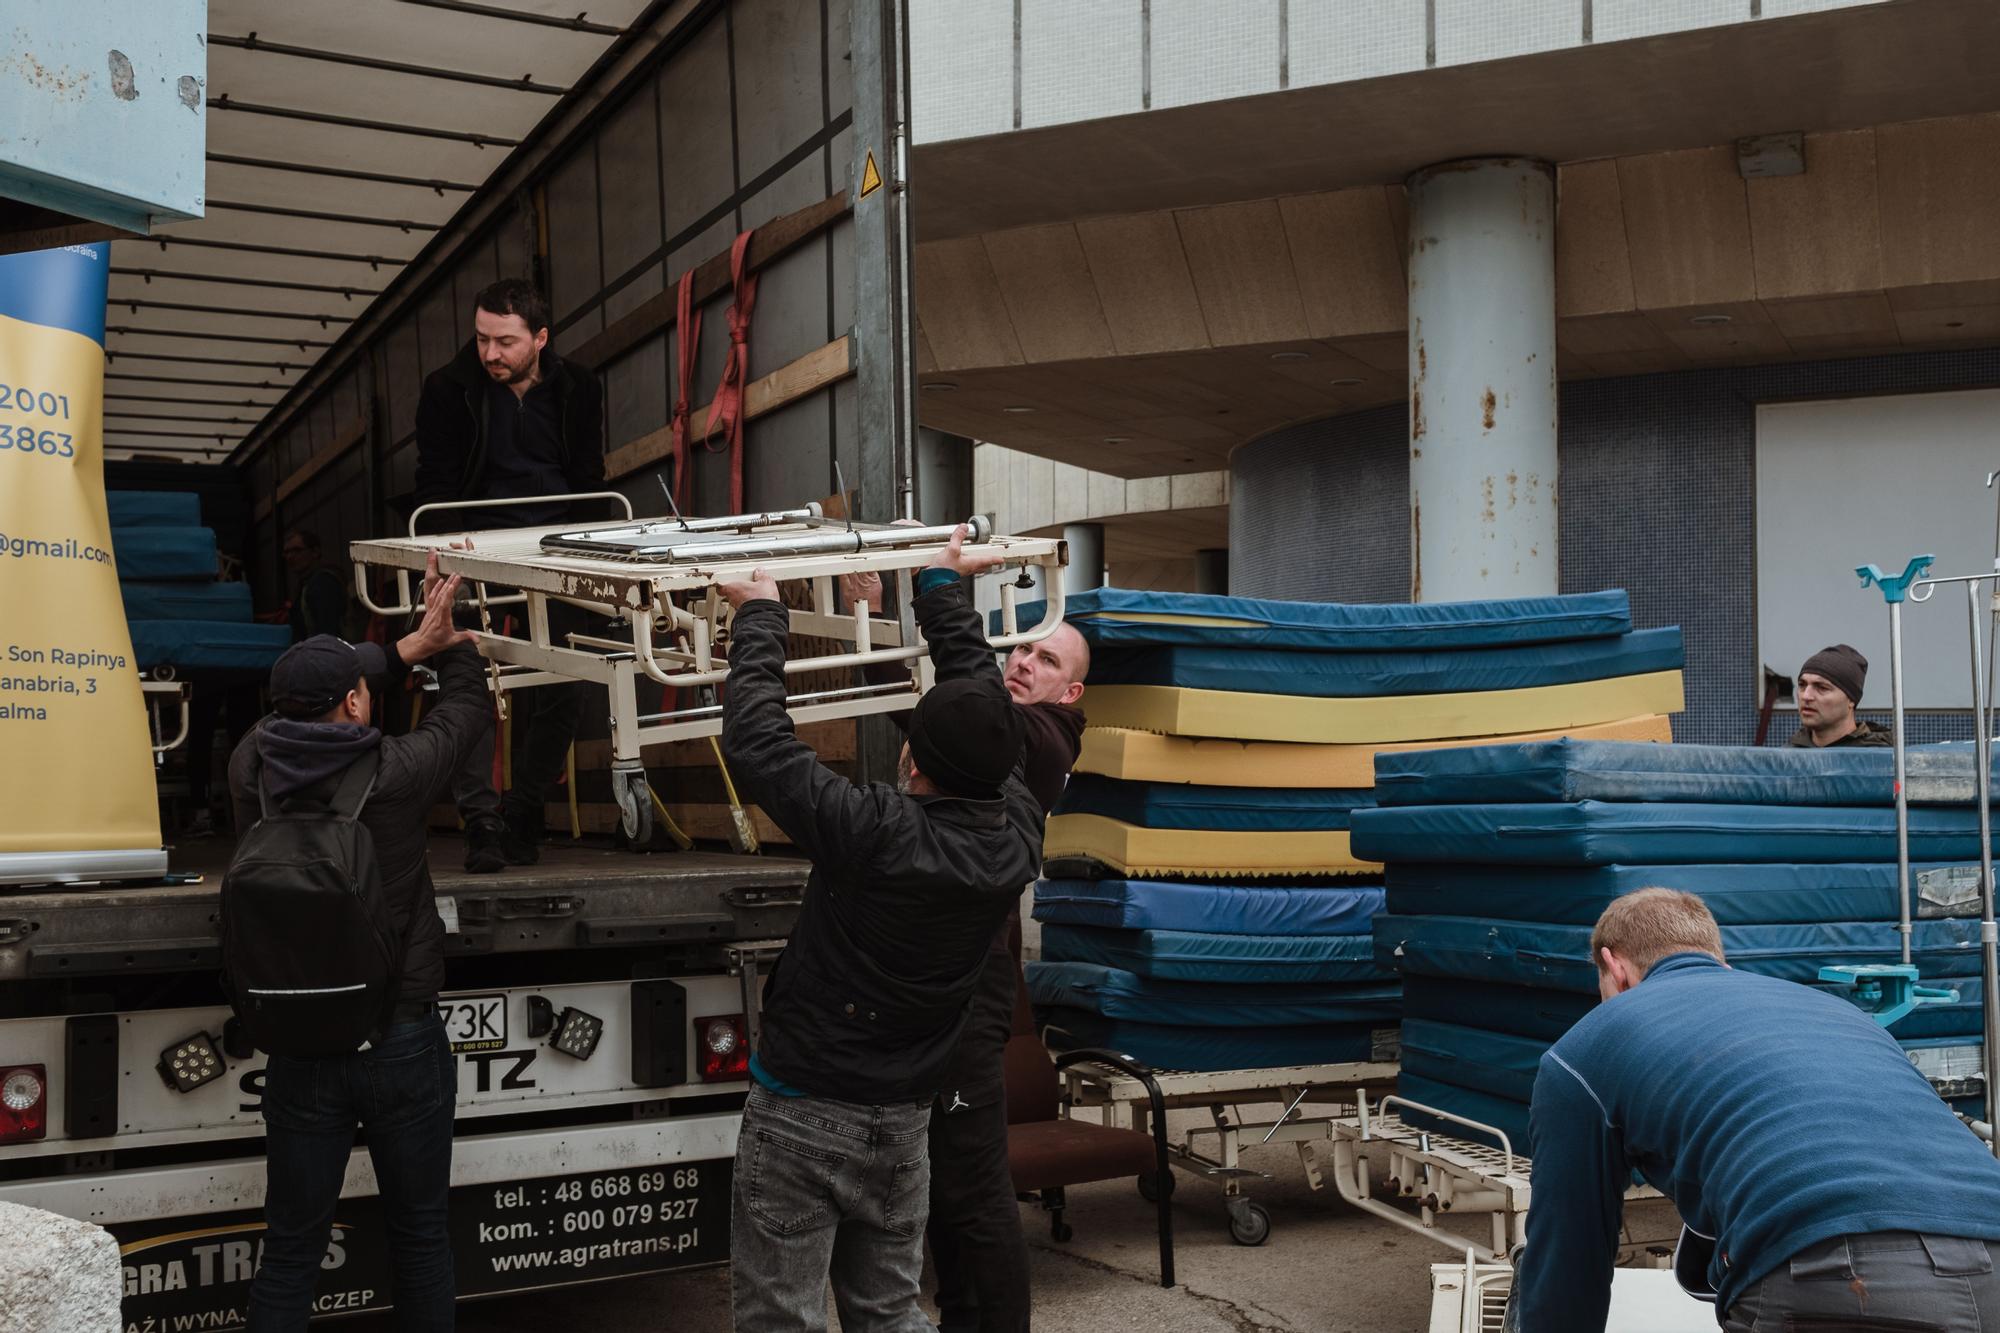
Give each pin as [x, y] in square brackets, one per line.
[905, 770]
[503, 373]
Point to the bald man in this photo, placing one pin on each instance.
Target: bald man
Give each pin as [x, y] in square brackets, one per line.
[975, 1222]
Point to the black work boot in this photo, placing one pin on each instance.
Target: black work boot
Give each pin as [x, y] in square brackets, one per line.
[484, 850]
[520, 840]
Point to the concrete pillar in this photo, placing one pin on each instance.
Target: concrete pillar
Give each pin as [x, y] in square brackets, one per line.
[1211, 571]
[1086, 557]
[1482, 380]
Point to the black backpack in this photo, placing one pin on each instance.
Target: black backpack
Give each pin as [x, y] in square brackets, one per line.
[311, 959]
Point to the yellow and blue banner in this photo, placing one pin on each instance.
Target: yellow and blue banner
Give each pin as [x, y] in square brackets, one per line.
[76, 761]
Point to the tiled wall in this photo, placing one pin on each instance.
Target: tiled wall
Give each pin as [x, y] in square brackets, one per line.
[1658, 497]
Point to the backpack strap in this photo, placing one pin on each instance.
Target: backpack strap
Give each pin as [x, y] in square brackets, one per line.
[257, 780]
[356, 785]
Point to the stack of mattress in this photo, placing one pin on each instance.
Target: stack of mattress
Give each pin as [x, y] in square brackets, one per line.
[1500, 858]
[179, 615]
[1204, 907]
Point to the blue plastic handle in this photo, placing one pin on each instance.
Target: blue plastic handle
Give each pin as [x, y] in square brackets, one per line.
[1897, 587]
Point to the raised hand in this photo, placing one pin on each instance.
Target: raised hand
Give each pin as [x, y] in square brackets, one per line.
[759, 586]
[954, 558]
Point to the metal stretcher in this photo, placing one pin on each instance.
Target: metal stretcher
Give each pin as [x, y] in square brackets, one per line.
[656, 581]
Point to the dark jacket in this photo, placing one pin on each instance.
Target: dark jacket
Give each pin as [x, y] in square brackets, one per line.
[451, 427]
[305, 760]
[1775, 1116]
[1866, 735]
[907, 892]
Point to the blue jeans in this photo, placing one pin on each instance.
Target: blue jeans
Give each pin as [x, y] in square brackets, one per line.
[828, 1190]
[402, 1091]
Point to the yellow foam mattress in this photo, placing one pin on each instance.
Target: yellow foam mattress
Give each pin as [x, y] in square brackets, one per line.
[1133, 850]
[1177, 711]
[1144, 756]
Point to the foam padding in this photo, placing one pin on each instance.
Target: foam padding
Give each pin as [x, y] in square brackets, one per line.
[1593, 833]
[186, 601]
[1145, 756]
[153, 509]
[199, 645]
[1357, 675]
[1220, 909]
[1408, 717]
[1498, 1063]
[1181, 805]
[1211, 1049]
[1530, 953]
[1133, 850]
[1737, 895]
[163, 553]
[1174, 955]
[1112, 993]
[1588, 770]
[1131, 616]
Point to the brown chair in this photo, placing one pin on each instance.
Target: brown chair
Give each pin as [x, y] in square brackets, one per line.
[1047, 1151]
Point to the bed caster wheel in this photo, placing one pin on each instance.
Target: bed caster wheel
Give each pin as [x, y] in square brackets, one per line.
[1249, 1223]
[635, 807]
[1059, 1231]
[1149, 1188]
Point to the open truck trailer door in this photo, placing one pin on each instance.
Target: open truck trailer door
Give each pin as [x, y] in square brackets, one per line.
[365, 178]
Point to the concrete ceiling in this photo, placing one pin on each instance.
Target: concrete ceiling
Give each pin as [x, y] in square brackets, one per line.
[340, 138]
[1839, 69]
[1150, 344]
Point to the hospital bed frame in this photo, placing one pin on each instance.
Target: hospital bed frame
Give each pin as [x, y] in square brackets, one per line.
[657, 580]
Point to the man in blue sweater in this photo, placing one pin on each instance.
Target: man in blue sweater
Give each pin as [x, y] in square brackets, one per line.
[1841, 1193]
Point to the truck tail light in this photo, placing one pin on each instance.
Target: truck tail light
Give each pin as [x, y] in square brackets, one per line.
[24, 1103]
[725, 1055]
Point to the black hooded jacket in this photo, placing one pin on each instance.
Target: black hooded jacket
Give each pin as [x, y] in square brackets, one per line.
[867, 1002]
[452, 429]
[305, 760]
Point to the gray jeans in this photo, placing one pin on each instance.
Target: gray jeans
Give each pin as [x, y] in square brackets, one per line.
[1896, 1281]
[828, 1189]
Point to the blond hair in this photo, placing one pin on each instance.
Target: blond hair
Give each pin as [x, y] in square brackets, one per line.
[1647, 925]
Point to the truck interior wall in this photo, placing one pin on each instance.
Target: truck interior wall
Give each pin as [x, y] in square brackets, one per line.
[1658, 497]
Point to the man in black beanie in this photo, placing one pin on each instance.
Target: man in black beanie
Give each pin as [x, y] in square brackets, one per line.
[862, 1012]
[1828, 692]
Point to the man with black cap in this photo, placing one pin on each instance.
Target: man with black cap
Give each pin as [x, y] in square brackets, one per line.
[1829, 690]
[402, 1088]
[863, 1010]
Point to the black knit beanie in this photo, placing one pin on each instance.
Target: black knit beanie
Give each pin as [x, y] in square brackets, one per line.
[1843, 665]
[965, 736]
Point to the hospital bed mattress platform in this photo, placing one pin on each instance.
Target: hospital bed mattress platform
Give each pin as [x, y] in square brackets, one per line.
[1113, 993]
[1175, 955]
[1216, 909]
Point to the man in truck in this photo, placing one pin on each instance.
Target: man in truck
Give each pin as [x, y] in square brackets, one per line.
[508, 417]
[975, 1236]
[403, 1088]
[864, 1009]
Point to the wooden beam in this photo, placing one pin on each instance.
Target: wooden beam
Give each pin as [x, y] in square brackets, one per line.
[322, 459]
[783, 386]
[775, 239]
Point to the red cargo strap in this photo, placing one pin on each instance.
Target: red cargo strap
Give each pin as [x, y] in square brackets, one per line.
[728, 405]
[688, 331]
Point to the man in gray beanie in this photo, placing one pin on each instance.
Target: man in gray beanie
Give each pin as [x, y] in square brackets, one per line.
[1828, 692]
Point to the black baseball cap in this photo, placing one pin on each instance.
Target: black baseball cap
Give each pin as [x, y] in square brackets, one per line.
[311, 677]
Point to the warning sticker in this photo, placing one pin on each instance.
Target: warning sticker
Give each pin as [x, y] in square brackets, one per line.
[871, 178]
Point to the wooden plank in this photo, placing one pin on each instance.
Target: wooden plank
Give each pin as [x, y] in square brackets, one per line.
[1819, 233]
[1045, 283]
[322, 458]
[787, 384]
[1688, 224]
[1242, 268]
[775, 239]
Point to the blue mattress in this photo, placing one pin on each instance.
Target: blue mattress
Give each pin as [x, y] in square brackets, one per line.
[163, 553]
[1529, 953]
[1178, 955]
[186, 601]
[1597, 833]
[1123, 616]
[1203, 1049]
[1367, 674]
[1510, 1117]
[1738, 895]
[200, 645]
[1499, 1063]
[153, 509]
[1574, 770]
[1181, 805]
[1215, 909]
[1111, 993]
